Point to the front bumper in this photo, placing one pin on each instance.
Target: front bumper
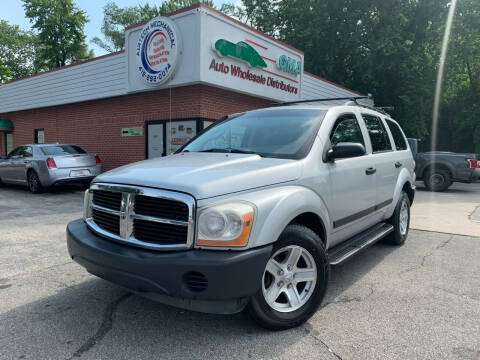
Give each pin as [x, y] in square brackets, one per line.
[231, 276]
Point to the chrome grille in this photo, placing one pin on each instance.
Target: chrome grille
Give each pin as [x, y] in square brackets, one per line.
[106, 221]
[158, 207]
[148, 230]
[144, 217]
[108, 199]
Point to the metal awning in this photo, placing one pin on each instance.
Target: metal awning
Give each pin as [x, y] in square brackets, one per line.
[6, 125]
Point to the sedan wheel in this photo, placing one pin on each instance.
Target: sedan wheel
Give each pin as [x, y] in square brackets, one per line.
[34, 183]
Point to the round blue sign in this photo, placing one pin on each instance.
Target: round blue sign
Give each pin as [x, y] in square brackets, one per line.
[158, 51]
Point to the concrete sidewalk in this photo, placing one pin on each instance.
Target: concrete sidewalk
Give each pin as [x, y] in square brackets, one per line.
[455, 211]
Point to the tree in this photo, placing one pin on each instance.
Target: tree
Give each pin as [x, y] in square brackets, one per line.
[60, 31]
[5, 73]
[115, 20]
[17, 50]
[460, 106]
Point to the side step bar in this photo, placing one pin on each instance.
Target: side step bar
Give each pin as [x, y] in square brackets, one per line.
[350, 247]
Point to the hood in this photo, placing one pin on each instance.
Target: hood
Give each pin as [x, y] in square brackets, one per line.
[205, 175]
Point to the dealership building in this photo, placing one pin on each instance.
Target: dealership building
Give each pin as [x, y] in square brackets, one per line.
[177, 75]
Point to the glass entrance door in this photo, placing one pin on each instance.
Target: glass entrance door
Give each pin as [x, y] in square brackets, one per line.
[179, 133]
[164, 137]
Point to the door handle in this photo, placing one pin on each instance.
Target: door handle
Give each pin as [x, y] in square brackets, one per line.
[370, 171]
[398, 164]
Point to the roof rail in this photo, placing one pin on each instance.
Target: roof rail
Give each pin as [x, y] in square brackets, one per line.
[380, 109]
[350, 98]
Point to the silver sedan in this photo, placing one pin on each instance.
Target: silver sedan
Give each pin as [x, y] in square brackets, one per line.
[43, 165]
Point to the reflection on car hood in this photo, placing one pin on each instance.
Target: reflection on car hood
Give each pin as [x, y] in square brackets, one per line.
[205, 175]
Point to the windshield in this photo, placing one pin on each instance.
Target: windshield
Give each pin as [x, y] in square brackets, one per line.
[63, 150]
[279, 133]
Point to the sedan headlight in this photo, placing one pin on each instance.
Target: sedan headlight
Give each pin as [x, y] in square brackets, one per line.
[225, 225]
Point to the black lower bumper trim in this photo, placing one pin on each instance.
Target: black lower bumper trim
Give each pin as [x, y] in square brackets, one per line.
[232, 276]
[73, 180]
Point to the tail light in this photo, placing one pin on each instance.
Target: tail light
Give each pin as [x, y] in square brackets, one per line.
[97, 159]
[473, 163]
[51, 163]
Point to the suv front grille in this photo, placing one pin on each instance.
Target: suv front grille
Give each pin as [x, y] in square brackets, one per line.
[106, 221]
[159, 233]
[107, 199]
[163, 208]
[154, 219]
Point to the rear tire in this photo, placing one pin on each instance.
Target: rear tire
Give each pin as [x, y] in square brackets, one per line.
[291, 301]
[438, 180]
[34, 183]
[400, 221]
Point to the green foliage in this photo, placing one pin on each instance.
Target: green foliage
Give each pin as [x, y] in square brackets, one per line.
[389, 48]
[117, 18]
[17, 51]
[460, 126]
[60, 31]
[5, 73]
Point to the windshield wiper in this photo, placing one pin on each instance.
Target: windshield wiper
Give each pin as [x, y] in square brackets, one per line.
[231, 150]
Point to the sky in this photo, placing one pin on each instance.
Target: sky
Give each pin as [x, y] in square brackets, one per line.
[12, 11]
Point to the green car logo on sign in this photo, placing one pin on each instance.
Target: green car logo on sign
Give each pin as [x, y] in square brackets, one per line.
[241, 50]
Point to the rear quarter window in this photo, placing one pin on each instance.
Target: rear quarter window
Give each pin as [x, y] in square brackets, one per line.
[397, 134]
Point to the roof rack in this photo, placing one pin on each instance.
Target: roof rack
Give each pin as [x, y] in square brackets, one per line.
[380, 109]
[351, 98]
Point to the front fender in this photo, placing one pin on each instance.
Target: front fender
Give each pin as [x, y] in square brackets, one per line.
[277, 207]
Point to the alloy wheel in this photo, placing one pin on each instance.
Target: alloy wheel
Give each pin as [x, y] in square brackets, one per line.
[289, 278]
[404, 218]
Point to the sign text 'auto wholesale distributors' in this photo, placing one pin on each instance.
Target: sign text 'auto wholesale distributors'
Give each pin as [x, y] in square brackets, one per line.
[247, 54]
[157, 51]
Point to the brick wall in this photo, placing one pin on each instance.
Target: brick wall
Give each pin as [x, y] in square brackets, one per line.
[96, 125]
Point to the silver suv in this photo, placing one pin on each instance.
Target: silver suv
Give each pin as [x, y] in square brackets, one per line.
[252, 213]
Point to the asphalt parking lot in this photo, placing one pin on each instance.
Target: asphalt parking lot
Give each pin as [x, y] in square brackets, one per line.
[419, 301]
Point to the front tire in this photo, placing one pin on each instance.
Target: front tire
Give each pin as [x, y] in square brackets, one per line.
[34, 184]
[400, 221]
[438, 180]
[294, 281]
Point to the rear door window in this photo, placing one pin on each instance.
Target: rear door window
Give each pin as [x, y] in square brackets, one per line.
[397, 135]
[378, 133]
[346, 129]
[15, 152]
[62, 150]
[21, 152]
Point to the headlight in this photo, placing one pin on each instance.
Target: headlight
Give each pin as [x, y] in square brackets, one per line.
[87, 205]
[225, 225]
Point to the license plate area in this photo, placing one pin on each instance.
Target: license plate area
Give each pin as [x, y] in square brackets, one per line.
[80, 173]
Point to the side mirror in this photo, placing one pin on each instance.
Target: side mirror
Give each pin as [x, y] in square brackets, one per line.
[345, 150]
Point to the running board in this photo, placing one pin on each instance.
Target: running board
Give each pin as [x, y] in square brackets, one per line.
[347, 249]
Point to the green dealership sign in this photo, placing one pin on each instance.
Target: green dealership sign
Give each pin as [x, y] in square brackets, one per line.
[241, 50]
[289, 65]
